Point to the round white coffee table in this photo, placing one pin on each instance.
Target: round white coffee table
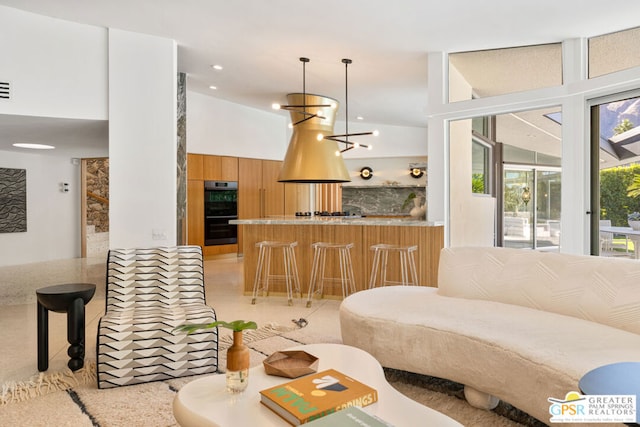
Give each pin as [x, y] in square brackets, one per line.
[205, 401]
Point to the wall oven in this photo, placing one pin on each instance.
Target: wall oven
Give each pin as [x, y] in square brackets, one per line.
[220, 206]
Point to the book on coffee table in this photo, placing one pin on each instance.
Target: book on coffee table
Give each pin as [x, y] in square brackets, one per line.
[349, 417]
[313, 396]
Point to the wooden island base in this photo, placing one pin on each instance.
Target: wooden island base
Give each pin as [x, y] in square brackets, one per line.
[362, 233]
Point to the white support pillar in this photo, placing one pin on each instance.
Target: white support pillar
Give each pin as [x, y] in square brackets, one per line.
[575, 193]
[438, 167]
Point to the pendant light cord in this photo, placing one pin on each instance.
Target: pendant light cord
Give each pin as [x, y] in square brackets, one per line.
[346, 62]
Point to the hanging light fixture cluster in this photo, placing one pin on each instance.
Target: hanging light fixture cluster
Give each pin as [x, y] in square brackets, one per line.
[344, 138]
[313, 155]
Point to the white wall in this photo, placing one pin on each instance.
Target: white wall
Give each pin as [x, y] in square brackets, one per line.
[393, 141]
[53, 217]
[215, 126]
[471, 216]
[56, 68]
[142, 140]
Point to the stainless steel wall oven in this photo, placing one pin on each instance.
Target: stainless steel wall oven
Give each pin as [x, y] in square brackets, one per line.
[220, 206]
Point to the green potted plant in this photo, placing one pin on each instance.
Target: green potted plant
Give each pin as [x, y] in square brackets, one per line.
[408, 200]
[237, 355]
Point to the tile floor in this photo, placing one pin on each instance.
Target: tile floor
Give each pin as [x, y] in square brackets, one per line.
[224, 282]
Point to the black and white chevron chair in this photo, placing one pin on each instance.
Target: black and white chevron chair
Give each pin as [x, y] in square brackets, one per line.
[149, 293]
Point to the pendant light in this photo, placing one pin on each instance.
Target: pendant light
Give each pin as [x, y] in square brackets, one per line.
[310, 159]
[344, 138]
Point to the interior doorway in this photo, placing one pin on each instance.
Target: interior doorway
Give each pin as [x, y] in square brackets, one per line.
[531, 207]
[94, 207]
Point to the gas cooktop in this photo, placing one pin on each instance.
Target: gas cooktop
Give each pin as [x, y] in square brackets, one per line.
[326, 213]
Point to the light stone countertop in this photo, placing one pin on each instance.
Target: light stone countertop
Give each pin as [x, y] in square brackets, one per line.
[338, 220]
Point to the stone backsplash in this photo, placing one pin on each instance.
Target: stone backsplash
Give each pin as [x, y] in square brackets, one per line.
[380, 200]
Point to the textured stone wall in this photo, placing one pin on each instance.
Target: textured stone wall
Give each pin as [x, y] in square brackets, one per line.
[13, 200]
[98, 184]
[382, 200]
[181, 139]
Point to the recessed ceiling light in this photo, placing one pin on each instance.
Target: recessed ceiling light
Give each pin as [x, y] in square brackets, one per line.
[217, 67]
[34, 146]
[360, 118]
[213, 87]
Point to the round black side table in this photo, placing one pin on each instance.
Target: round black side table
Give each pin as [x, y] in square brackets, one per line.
[69, 298]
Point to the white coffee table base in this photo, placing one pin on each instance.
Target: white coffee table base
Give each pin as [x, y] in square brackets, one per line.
[205, 402]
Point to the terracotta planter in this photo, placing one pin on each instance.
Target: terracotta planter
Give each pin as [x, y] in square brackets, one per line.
[237, 365]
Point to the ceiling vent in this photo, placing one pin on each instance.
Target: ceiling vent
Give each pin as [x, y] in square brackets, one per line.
[5, 90]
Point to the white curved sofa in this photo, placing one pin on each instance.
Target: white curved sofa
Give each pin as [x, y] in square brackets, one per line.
[517, 325]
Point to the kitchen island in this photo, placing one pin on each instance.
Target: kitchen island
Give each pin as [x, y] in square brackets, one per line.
[362, 232]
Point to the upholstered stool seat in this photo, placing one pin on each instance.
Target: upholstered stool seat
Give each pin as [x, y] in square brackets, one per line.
[68, 298]
[318, 277]
[263, 270]
[408, 273]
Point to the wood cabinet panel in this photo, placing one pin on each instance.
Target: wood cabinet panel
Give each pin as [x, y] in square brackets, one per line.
[250, 193]
[249, 188]
[212, 168]
[229, 168]
[195, 212]
[273, 190]
[260, 195]
[194, 166]
[220, 168]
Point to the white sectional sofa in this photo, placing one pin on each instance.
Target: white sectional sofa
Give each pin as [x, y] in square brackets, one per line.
[510, 324]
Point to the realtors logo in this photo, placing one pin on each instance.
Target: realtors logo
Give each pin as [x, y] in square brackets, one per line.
[578, 408]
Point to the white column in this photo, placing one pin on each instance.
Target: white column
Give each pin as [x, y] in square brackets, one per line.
[438, 167]
[574, 221]
[142, 140]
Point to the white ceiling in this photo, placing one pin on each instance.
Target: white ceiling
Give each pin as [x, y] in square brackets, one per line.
[259, 42]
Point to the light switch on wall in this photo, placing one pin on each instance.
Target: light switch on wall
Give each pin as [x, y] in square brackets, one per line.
[158, 234]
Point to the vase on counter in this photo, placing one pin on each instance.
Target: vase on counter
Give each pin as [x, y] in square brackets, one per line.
[237, 364]
[419, 210]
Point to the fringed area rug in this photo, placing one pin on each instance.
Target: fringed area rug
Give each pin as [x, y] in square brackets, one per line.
[73, 399]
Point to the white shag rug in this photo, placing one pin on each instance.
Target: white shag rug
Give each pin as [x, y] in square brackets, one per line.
[73, 399]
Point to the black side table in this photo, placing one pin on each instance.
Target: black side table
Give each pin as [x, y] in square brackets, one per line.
[71, 299]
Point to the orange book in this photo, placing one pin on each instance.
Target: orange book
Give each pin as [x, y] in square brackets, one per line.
[313, 396]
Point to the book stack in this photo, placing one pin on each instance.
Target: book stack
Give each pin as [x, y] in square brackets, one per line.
[314, 396]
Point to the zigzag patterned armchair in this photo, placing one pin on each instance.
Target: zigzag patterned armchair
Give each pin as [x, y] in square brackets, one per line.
[149, 293]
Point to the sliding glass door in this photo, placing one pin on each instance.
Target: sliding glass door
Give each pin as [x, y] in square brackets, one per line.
[531, 207]
[615, 183]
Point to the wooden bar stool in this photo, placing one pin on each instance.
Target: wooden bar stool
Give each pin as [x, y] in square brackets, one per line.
[263, 271]
[316, 284]
[408, 273]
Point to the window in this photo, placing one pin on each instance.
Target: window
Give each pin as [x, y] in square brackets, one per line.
[480, 167]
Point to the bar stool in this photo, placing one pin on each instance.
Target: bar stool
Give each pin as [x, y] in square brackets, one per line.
[408, 274]
[263, 270]
[316, 284]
